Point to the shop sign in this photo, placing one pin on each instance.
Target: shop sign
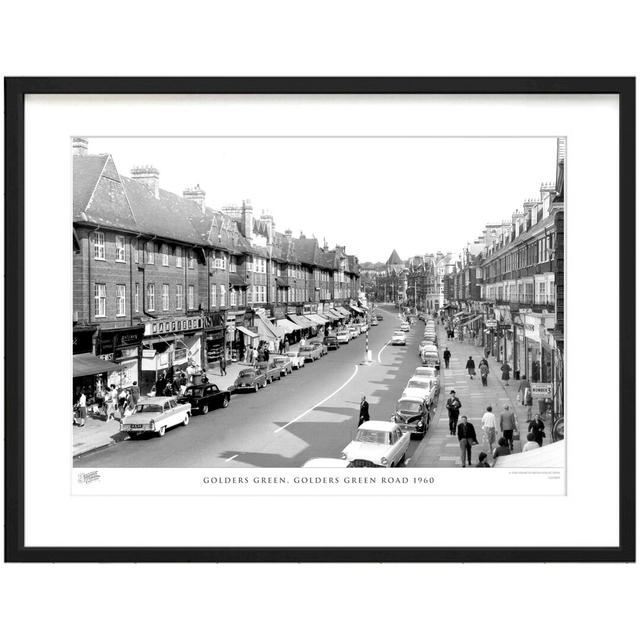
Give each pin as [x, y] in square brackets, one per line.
[491, 323]
[531, 329]
[83, 341]
[213, 320]
[163, 360]
[106, 356]
[306, 308]
[148, 353]
[541, 390]
[183, 323]
[215, 334]
[180, 354]
[292, 309]
[126, 354]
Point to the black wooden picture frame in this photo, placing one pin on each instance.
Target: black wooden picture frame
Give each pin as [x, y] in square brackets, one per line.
[16, 89]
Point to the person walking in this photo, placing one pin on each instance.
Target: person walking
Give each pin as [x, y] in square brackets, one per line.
[501, 450]
[506, 370]
[112, 401]
[466, 439]
[530, 444]
[482, 460]
[471, 368]
[254, 356]
[453, 407]
[82, 408]
[223, 366]
[286, 345]
[484, 372]
[508, 424]
[364, 411]
[536, 427]
[447, 356]
[489, 427]
[135, 392]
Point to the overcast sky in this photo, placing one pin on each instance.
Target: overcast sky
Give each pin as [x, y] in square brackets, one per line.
[415, 195]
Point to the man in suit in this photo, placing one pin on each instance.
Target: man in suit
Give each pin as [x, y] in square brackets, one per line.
[466, 439]
[364, 411]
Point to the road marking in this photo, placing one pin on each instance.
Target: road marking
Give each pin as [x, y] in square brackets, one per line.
[231, 458]
[302, 415]
[384, 346]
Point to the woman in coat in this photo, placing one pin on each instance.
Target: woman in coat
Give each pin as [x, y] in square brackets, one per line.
[471, 368]
[506, 369]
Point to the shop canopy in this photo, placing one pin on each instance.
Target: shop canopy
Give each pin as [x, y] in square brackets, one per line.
[357, 309]
[334, 315]
[287, 325]
[86, 364]
[302, 321]
[468, 320]
[460, 313]
[343, 312]
[266, 329]
[316, 318]
[247, 332]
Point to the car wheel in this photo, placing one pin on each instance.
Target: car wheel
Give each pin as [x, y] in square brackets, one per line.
[133, 436]
[161, 431]
[256, 387]
[402, 460]
[225, 402]
[264, 384]
[205, 409]
[185, 422]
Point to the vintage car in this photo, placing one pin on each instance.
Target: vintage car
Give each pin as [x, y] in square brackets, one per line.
[326, 463]
[250, 380]
[332, 342]
[310, 352]
[423, 343]
[427, 372]
[203, 397]
[405, 326]
[379, 318]
[377, 444]
[354, 330]
[412, 415]
[343, 336]
[297, 361]
[155, 415]
[429, 356]
[422, 387]
[285, 364]
[399, 338]
[321, 343]
[270, 370]
[364, 327]
[374, 322]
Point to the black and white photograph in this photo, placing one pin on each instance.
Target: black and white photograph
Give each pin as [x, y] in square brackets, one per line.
[324, 302]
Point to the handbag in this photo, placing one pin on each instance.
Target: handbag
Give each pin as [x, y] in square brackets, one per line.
[516, 434]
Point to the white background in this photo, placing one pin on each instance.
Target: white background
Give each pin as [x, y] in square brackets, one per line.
[548, 38]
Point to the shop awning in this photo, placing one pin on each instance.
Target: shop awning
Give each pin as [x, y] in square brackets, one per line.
[460, 313]
[314, 323]
[334, 314]
[287, 325]
[86, 364]
[317, 318]
[236, 281]
[356, 309]
[468, 320]
[247, 332]
[302, 321]
[364, 306]
[266, 329]
[343, 312]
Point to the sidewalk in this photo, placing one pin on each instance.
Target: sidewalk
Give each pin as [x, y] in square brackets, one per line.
[442, 449]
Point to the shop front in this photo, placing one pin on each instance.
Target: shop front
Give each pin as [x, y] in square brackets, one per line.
[214, 332]
[240, 335]
[122, 347]
[90, 374]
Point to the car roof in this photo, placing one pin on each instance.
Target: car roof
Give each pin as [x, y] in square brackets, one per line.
[420, 371]
[378, 425]
[154, 400]
[416, 379]
[247, 371]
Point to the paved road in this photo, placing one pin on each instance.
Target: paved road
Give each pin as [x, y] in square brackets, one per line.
[312, 413]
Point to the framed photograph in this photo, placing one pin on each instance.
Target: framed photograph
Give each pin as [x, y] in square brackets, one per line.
[320, 319]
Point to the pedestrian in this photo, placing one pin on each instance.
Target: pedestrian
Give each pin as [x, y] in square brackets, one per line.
[524, 390]
[487, 351]
[536, 427]
[265, 353]
[223, 366]
[254, 356]
[82, 408]
[286, 345]
[470, 367]
[112, 401]
[501, 450]
[489, 427]
[508, 424]
[484, 372]
[364, 411]
[531, 443]
[204, 379]
[447, 356]
[506, 369]
[129, 406]
[466, 439]
[482, 460]
[135, 392]
[453, 407]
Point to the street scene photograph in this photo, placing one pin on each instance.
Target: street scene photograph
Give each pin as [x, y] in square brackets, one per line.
[318, 302]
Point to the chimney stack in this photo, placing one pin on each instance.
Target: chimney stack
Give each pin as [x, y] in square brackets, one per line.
[247, 219]
[196, 194]
[148, 176]
[80, 146]
[267, 218]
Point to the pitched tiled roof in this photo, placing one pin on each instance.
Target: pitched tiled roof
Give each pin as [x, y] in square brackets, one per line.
[394, 258]
[306, 249]
[86, 171]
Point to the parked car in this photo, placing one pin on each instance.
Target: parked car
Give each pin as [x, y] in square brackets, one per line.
[321, 343]
[250, 380]
[155, 415]
[405, 326]
[412, 415]
[270, 370]
[423, 343]
[377, 444]
[421, 387]
[354, 330]
[427, 372]
[203, 397]
[310, 352]
[399, 338]
[297, 361]
[285, 363]
[374, 322]
[379, 318]
[343, 336]
[364, 327]
[332, 342]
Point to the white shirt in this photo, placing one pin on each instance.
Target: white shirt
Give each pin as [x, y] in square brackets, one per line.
[489, 420]
[529, 446]
[82, 402]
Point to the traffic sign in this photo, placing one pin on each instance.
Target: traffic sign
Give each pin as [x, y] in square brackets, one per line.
[541, 390]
